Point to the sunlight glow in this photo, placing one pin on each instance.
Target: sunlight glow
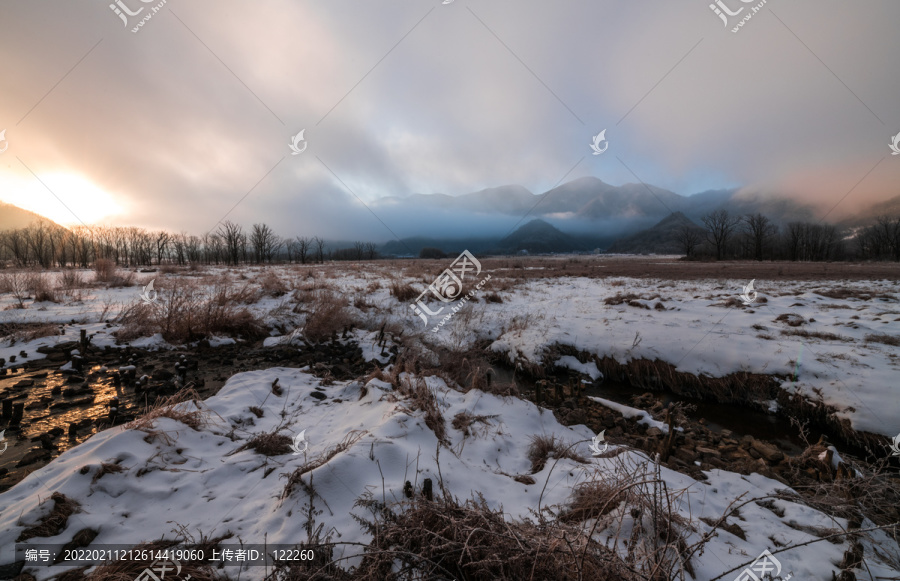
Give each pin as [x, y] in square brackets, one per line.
[87, 201]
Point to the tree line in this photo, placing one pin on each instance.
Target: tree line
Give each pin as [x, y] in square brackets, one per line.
[47, 245]
[756, 237]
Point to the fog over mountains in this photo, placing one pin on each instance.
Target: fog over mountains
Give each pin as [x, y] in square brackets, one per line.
[592, 212]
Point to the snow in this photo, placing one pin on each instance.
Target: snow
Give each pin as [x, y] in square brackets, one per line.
[197, 477]
[630, 412]
[589, 369]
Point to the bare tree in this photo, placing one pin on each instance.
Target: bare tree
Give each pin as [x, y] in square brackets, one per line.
[758, 229]
[720, 226]
[371, 251]
[233, 240]
[320, 248]
[302, 245]
[689, 237]
[162, 240]
[265, 243]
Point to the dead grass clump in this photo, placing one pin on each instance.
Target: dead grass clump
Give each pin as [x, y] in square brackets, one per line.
[543, 448]
[295, 478]
[422, 398]
[272, 285]
[464, 420]
[893, 340]
[104, 270]
[272, 444]
[327, 316]
[403, 292]
[184, 313]
[446, 539]
[852, 293]
[72, 280]
[106, 468]
[493, 298]
[792, 319]
[593, 499]
[817, 334]
[41, 289]
[53, 523]
[24, 332]
[176, 407]
[620, 298]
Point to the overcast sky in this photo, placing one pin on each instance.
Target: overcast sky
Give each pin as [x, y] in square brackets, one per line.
[190, 118]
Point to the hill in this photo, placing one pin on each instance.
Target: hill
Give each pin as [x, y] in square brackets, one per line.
[662, 238]
[538, 236]
[14, 217]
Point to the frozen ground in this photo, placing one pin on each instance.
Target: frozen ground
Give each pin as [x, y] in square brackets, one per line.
[180, 476]
[829, 347]
[196, 478]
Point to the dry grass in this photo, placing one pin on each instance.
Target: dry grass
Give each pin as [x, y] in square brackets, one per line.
[175, 407]
[446, 539]
[593, 499]
[403, 292]
[543, 448]
[24, 332]
[421, 397]
[817, 334]
[185, 313]
[106, 468]
[465, 419]
[53, 523]
[269, 444]
[104, 270]
[295, 478]
[41, 289]
[327, 316]
[272, 285]
[893, 340]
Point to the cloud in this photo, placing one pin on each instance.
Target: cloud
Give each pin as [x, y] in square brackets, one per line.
[182, 120]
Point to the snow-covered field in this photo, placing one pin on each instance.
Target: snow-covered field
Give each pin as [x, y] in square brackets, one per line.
[197, 478]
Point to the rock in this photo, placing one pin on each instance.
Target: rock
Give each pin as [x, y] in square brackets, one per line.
[36, 455]
[654, 431]
[318, 395]
[24, 383]
[771, 454]
[75, 379]
[163, 375]
[708, 451]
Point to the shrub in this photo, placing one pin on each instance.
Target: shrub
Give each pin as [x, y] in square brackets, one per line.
[545, 447]
[327, 316]
[429, 252]
[104, 269]
[403, 292]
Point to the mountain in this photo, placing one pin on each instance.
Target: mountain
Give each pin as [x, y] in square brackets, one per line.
[537, 237]
[14, 217]
[868, 216]
[660, 239]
